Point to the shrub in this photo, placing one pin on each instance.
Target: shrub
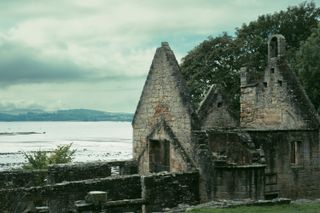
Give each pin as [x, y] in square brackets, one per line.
[41, 159]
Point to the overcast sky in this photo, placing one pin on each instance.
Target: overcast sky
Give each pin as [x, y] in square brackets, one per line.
[95, 54]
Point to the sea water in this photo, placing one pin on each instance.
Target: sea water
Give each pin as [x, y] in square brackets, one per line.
[93, 140]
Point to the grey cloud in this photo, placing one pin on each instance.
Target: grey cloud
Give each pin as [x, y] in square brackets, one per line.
[22, 65]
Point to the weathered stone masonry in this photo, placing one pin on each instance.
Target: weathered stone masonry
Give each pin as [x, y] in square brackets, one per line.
[164, 118]
[271, 151]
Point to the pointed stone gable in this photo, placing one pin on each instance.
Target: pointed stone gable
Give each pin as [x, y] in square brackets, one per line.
[214, 111]
[164, 98]
[278, 101]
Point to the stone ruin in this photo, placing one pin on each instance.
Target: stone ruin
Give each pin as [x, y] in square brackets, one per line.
[271, 151]
[183, 155]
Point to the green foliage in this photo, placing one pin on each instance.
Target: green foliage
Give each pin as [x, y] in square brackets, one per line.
[308, 66]
[41, 159]
[218, 60]
[307, 208]
[62, 154]
[295, 24]
[214, 61]
[36, 160]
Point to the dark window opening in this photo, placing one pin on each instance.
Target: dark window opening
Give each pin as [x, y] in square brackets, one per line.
[280, 83]
[274, 47]
[159, 155]
[295, 149]
[272, 70]
[219, 104]
[265, 84]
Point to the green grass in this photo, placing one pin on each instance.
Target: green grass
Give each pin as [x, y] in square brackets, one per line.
[305, 208]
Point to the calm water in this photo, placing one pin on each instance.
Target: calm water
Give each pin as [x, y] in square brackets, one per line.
[93, 140]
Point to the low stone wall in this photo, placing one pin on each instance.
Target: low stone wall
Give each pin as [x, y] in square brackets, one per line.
[239, 182]
[159, 191]
[61, 197]
[65, 172]
[168, 190]
[22, 178]
[82, 171]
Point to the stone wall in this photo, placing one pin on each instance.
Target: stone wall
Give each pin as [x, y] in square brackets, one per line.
[168, 190]
[22, 178]
[65, 172]
[81, 171]
[270, 104]
[215, 111]
[61, 197]
[233, 146]
[163, 190]
[238, 182]
[164, 113]
[287, 176]
[71, 172]
[277, 101]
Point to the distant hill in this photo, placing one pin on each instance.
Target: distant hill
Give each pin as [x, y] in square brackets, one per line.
[67, 115]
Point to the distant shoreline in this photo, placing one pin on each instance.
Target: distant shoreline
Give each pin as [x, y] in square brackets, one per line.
[81, 115]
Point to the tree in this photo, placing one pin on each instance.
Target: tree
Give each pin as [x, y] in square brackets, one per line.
[214, 61]
[218, 60]
[308, 67]
[295, 24]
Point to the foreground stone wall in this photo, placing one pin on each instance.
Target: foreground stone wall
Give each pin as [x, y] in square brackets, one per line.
[239, 182]
[168, 190]
[61, 197]
[159, 191]
[22, 178]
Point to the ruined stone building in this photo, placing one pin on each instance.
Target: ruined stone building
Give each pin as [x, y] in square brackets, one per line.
[271, 151]
[187, 155]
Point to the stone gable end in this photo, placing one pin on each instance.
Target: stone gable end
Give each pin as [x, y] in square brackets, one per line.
[165, 98]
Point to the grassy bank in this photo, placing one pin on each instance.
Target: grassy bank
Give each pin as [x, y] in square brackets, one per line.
[305, 208]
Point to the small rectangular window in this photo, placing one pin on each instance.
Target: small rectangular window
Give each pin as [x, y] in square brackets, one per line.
[280, 83]
[272, 70]
[295, 149]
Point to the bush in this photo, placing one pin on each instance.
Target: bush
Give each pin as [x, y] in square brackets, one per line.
[41, 159]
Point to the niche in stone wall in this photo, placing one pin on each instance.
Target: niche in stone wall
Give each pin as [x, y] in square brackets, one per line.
[159, 155]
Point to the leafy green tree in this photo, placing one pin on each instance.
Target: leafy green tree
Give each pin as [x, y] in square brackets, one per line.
[308, 66]
[218, 60]
[214, 61]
